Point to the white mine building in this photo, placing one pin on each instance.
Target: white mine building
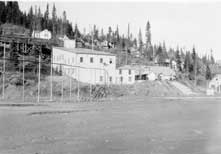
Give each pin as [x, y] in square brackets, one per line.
[89, 66]
[98, 67]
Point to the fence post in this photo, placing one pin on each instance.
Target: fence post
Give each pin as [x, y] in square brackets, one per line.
[39, 76]
[3, 77]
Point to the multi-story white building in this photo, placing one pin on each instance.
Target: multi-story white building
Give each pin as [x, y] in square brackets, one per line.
[95, 67]
[125, 75]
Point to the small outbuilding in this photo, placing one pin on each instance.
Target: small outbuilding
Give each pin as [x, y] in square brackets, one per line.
[45, 34]
[215, 84]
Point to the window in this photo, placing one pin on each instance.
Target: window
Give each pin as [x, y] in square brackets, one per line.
[101, 60]
[110, 78]
[101, 78]
[121, 79]
[81, 59]
[72, 59]
[120, 71]
[91, 60]
[129, 72]
[110, 60]
[130, 79]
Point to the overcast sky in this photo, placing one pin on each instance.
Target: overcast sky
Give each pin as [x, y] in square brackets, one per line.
[184, 23]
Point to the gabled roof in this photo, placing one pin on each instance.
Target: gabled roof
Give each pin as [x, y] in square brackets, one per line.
[143, 69]
[85, 51]
[38, 31]
[139, 69]
[162, 70]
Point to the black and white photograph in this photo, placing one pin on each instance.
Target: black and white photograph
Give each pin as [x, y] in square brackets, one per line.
[110, 77]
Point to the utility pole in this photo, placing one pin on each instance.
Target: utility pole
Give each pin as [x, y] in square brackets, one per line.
[3, 78]
[39, 75]
[62, 89]
[126, 56]
[23, 73]
[51, 94]
[90, 84]
[62, 86]
[78, 92]
[195, 72]
[70, 85]
[92, 34]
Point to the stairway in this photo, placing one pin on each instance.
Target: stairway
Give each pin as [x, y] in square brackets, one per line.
[184, 89]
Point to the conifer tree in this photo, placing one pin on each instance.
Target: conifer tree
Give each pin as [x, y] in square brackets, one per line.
[54, 20]
[194, 64]
[117, 35]
[31, 19]
[148, 35]
[39, 20]
[2, 12]
[187, 62]
[208, 73]
[178, 60]
[46, 17]
[109, 34]
[140, 41]
[212, 60]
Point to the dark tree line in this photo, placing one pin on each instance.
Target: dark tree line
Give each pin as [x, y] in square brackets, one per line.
[187, 61]
[34, 19]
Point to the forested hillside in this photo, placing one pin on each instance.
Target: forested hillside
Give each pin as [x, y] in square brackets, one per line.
[128, 48]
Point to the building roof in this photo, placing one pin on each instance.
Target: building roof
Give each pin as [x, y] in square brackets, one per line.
[36, 31]
[126, 67]
[142, 69]
[215, 69]
[132, 67]
[139, 69]
[85, 51]
[162, 70]
[218, 62]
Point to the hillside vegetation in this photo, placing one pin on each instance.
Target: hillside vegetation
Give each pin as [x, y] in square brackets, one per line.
[128, 49]
[61, 89]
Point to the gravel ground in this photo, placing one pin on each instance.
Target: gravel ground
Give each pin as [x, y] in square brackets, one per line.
[129, 126]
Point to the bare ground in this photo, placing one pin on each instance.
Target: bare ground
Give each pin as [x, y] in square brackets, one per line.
[132, 125]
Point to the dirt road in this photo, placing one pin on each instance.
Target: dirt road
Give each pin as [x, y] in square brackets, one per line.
[129, 126]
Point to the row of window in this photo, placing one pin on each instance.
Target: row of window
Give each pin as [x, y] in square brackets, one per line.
[71, 71]
[120, 71]
[61, 57]
[121, 79]
[129, 79]
[65, 60]
[92, 60]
